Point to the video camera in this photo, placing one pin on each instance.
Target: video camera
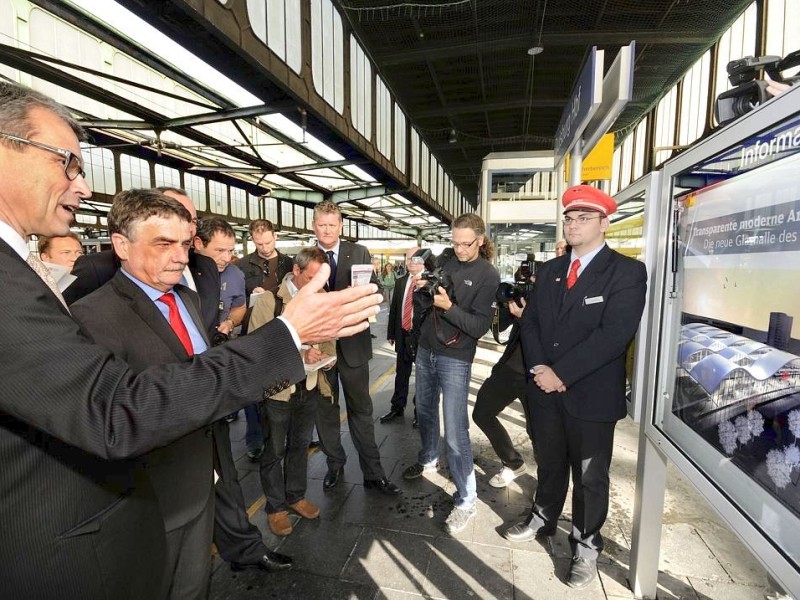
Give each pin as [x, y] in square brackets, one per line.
[434, 274]
[522, 285]
[750, 91]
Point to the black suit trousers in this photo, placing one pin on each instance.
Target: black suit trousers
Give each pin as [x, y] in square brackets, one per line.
[236, 538]
[189, 557]
[355, 383]
[499, 390]
[563, 444]
[402, 373]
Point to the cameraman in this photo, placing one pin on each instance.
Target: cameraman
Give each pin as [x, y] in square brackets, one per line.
[505, 384]
[449, 334]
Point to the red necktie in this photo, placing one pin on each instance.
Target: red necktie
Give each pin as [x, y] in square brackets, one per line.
[572, 276]
[408, 306]
[176, 322]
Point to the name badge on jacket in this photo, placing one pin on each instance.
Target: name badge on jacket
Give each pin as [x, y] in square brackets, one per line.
[592, 300]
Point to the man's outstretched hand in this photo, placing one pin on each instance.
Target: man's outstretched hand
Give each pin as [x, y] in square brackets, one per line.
[321, 317]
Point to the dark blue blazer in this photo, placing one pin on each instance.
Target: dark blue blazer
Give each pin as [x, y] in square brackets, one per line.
[583, 333]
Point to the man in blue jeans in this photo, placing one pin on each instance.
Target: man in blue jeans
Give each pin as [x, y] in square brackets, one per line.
[449, 334]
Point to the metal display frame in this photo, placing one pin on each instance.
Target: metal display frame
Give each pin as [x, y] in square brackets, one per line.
[722, 483]
[647, 188]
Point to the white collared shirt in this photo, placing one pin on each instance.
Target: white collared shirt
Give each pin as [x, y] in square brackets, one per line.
[11, 237]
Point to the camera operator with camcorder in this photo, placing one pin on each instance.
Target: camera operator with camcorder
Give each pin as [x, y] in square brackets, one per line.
[453, 304]
[749, 91]
[507, 380]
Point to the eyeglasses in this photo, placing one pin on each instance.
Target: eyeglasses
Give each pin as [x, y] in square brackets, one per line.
[582, 220]
[464, 245]
[72, 162]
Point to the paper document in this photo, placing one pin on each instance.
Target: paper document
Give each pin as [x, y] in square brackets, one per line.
[253, 297]
[310, 368]
[62, 276]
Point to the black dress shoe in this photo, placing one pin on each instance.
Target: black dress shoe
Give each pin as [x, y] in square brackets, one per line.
[391, 415]
[332, 478]
[270, 562]
[255, 454]
[384, 486]
[582, 572]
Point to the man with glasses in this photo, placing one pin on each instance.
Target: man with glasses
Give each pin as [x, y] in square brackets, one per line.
[79, 520]
[580, 318]
[449, 334]
[398, 333]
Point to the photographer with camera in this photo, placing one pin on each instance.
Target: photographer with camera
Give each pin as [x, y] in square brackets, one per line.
[453, 303]
[399, 334]
[507, 380]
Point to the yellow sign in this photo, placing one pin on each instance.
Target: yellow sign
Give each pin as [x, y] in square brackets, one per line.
[597, 165]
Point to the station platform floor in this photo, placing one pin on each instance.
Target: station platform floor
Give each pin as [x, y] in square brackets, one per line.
[369, 546]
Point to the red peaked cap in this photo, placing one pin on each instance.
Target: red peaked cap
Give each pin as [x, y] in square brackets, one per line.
[586, 197]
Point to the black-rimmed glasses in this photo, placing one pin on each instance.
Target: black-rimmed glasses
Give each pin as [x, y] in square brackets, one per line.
[464, 245]
[582, 220]
[72, 163]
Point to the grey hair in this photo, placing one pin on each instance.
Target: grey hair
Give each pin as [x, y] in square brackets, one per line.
[16, 104]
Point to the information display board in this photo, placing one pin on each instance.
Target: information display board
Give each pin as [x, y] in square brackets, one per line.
[727, 398]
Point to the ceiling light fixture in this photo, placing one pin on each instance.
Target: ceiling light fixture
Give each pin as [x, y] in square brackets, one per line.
[453, 138]
[534, 50]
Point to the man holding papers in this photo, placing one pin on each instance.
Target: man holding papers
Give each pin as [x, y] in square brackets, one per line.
[291, 413]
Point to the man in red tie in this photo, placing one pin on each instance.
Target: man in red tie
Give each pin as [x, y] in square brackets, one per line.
[145, 316]
[398, 329]
[581, 315]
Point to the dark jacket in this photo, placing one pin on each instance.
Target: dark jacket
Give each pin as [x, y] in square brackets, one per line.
[474, 284]
[75, 522]
[253, 266]
[94, 270]
[583, 333]
[355, 350]
[120, 317]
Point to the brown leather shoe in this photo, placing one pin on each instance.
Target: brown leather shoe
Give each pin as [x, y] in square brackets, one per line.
[305, 509]
[279, 523]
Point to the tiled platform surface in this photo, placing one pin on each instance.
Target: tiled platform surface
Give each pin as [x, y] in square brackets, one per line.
[368, 546]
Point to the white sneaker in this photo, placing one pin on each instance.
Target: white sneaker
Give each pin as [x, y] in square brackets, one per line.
[506, 476]
[458, 519]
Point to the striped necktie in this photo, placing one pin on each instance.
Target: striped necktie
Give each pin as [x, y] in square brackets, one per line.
[45, 275]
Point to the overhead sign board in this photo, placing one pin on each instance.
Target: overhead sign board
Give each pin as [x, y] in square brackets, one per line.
[617, 92]
[597, 165]
[586, 96]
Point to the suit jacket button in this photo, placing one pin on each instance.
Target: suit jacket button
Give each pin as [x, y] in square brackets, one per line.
[555, 345]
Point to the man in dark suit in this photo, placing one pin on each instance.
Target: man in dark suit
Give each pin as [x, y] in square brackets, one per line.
[398, 332]
[79, 520]
[201, 274]
[353, 356]
[238, 541]
[131, 316]
[581, 315]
